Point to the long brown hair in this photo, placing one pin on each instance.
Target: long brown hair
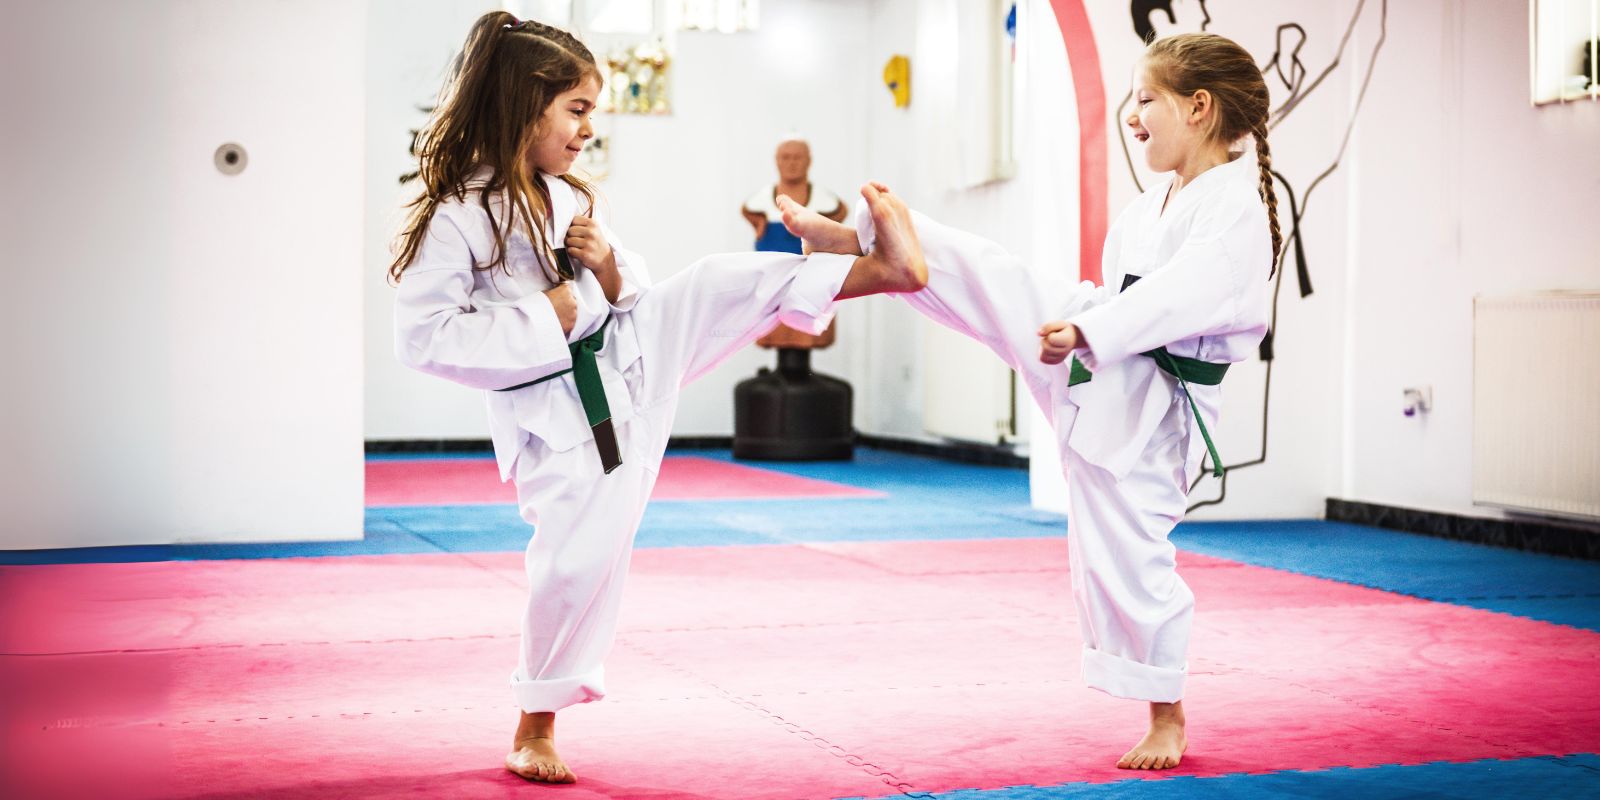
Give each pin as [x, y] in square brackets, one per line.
[1188, 62]
[488, 116]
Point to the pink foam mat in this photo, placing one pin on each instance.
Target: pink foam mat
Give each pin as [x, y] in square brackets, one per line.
[819, 671]
[463, 481]
[178, 604]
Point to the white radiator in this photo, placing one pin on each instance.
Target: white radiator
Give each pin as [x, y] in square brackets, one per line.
[1536, 403]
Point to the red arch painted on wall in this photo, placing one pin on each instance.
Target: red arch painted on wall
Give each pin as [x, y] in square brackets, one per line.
[1083, 58]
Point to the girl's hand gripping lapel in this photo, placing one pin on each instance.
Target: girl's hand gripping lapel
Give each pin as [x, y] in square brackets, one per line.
[587, 243]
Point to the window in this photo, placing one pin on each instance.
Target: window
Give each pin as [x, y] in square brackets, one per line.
[727, 16]
[1564, 37]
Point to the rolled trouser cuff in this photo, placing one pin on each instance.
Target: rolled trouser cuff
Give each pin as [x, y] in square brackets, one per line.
[1121, 677]
[554, 694]
[808, 305]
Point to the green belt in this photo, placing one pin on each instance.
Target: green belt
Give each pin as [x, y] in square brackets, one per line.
[1185, 370]
[591, 392]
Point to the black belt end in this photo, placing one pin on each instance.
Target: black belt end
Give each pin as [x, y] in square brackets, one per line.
[605, 438]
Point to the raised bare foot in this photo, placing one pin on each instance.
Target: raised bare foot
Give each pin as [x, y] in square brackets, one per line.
[1164, 745]
[820, 234]
[897, 238]
[895, 263]
[536, 759]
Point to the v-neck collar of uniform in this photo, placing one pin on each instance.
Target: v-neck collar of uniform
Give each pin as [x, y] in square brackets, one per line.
[1203, 184]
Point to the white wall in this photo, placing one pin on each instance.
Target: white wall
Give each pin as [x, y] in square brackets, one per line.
[409, 47]
[1452, 186]
[190, 360]
[1035, 215]
[678, 181]
[187, 364]
[734, 94]
[1462, 189]
[1303, 456]
[912, 149]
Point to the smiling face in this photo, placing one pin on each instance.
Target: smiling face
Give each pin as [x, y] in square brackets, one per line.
[564, 128]
[1167, 126]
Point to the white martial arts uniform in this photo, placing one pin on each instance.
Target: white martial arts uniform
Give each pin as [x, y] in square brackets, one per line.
[1129, 444]
[490, 330]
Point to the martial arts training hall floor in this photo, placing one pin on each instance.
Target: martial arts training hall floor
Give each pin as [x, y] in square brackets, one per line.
[896, 625]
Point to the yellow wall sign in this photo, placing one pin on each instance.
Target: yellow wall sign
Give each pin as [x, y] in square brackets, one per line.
[897, 76]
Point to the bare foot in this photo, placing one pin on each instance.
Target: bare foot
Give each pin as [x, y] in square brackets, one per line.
[820, 234]
[533, 752]
[1164, 745]
[896, 263]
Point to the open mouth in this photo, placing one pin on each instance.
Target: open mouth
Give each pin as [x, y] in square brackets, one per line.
[1142, 137]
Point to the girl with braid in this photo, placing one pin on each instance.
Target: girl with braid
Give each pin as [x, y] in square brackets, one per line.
[510, 281]
[1128, 373]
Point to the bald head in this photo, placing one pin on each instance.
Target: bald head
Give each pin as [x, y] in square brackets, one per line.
[794, 161]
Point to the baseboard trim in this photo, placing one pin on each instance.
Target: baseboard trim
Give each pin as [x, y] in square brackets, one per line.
[700, 443]
[963, 452]
[429, 446]
[989, 455]
[1538, 535]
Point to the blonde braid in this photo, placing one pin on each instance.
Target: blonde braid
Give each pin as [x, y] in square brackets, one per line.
[1269, 195]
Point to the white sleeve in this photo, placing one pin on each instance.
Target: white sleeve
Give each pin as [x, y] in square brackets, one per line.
[1201, 291]
[630, 265]
[439, 330]
[1111, 254]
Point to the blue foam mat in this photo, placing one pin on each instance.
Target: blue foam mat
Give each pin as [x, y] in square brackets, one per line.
[1424, 566]
[382, 537]
[906, 477]
[930, 499]
[1533, 585]
[1575, 777]
[1578, 612]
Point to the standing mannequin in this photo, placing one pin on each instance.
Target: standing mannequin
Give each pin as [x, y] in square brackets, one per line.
[792, 413]
[794, 166]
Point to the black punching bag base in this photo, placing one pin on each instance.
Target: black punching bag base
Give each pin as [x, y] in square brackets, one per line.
[793, 414]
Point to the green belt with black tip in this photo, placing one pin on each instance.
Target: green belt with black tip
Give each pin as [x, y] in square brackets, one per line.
[1185, 369]
[591, 392]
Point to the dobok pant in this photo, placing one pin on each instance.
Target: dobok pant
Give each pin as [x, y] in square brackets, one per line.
[585, 520]
[1133, 610]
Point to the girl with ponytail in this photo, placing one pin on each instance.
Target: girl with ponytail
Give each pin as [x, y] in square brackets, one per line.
[510, 281]
[1128, 373]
